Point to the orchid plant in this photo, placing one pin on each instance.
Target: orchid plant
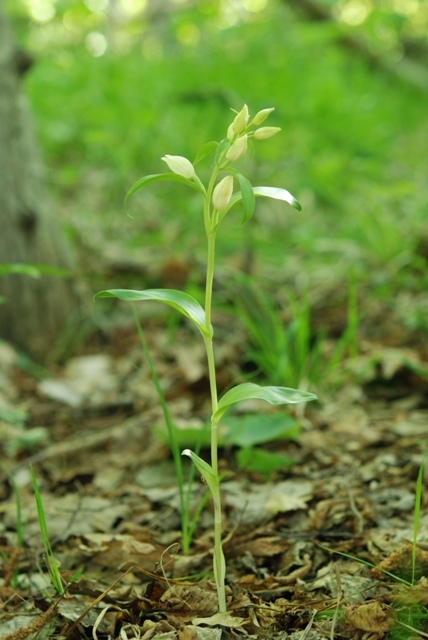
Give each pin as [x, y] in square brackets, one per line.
[218, 197]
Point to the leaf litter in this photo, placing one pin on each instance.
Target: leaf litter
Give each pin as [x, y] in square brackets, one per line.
[312, 551]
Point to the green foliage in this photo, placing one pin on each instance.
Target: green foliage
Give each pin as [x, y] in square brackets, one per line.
[417, 513]
[251, 391]
[356, 161]
[31, 270]
[284, 353]
[18, 437]
[241, 431]
[179, 300]
[250, 430]
[340, 118]
[188, 523]
[51, 562]
[283, 343]
[264, 462]
[245, 432]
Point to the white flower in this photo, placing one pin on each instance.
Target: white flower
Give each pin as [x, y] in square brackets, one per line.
[180, 165]
[237, 149]
[222, 193]
[265, 132]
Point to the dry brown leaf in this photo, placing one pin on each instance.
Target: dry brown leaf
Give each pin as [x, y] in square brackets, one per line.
[260, 547]
[224, 619]
[329, 513]
[399, 562]
[188, 600]
[187, 633]
[369, 616]
[415, 594]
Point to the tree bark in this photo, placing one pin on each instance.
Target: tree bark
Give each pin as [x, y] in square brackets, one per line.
[35, 311]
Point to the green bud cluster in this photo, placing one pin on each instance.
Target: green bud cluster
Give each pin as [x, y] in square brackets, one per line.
[241, 129]
[238, 134]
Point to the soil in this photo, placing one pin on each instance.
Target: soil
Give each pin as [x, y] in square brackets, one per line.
[322, 549]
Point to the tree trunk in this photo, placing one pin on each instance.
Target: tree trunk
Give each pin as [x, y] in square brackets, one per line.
[35, 311]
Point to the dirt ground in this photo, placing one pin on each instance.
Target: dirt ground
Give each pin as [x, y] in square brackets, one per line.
[320, 550]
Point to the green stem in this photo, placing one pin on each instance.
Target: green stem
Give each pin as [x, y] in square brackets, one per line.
[218, 560]
[209, 348]
[214, 403]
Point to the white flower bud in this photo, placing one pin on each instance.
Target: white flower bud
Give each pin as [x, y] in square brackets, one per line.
[261, 116]
[265, 132]
[241, 120]
[237, 149]
[180, 165]
[222, 193]
[230, 132]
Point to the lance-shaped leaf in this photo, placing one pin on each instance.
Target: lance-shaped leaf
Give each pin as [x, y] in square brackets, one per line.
[205, 470]
[250, 391]
[278, 194]
[221, 149]
[247, 196]
[182, 302]
[162, 177]
[205, 151]
[33, 270]
[266, 192]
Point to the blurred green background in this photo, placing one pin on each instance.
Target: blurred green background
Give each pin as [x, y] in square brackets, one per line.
[116, 84]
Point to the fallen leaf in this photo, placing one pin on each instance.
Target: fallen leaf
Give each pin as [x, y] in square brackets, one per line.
[224, 619]
[368, 617]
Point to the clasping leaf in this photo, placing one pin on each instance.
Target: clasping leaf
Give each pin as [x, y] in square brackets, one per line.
[266, 192]
[205, 470]
[162, 177]
[182, 302]
[273, 395]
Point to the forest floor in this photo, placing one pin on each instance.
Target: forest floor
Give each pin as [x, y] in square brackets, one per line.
[322, 549]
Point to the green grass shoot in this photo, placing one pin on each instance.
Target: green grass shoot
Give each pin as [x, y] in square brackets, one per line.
[188, 524]
[417, 513]
[51, 561]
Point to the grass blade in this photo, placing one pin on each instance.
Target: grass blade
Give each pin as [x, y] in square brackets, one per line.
[51, 562]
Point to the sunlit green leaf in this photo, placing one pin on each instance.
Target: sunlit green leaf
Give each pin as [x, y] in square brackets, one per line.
[250, 391]
[161, 177]
[182, 302]
[278, 194]
[264, 192]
